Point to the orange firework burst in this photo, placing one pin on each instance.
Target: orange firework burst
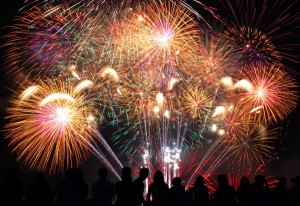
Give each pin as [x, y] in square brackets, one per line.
[49, 39]
[160, 32]
[216, 59]
[253, 45]
[197, 102]
[272, 95]
[256, 30]
[233, 123]
[253, 148]
[50, 127]
[137, 95]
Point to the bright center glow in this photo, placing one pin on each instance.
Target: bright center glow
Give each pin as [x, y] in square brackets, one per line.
[160, 98]
[91, 118]
[156, 109]
[163, 38]
[167, 114]
[260, 93]
[221, 132]
[140, 18]
[63, 115]
[214, 127]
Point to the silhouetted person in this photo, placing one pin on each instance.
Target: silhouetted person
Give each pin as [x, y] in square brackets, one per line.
[281, 194]
[200, 192]
[72, 191]
[244, 192]
[11, 191]
[103, 190]
[124, 189]
[225, 194]
[61, 190]
[176, 193]
[262, 195]
[39, 192]
[158, 190]
[188, 198]
[295, 191]
[139, 187]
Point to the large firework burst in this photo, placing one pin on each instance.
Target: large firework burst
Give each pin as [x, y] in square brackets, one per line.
[50, 126]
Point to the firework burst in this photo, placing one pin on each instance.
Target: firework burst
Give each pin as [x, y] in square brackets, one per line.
[49, 127]
[256, 35]
[160, 33]
[53, 39]
[273, 94]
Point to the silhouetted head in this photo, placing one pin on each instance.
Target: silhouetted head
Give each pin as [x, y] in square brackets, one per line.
[158, 177]
[244, 182]
[40, 177]
[199, 181]
[176, 182]
[102, 173]
[126, 174]
[281, 182]
[260, 180]
[222, 179]
[144, 172]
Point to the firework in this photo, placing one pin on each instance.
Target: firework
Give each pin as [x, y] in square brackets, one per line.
[255, 33]
[197, 102]
[53, 39]
[50, 128]
[251, 149]
[159, 33]
[273, 94]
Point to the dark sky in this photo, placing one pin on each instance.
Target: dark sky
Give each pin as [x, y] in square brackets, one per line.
[288, 163]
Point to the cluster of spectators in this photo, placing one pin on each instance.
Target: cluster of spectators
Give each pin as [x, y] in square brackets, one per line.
[73, 191]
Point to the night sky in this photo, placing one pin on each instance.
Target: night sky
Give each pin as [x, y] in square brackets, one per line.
[288, 163]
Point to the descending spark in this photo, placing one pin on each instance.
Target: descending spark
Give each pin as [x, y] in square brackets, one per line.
[172, 83]
[72, 69]
[82, 85]
[227, 81]
[219, 110]
[56, 96]
[243, 84]
[28, 92]
[160, 99]
[111, 72]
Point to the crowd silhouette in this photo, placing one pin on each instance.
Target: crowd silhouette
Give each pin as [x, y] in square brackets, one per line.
[73, 191]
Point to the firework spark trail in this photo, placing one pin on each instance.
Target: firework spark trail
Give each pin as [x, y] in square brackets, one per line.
[213, 148]
[108, 148]
[97, 152]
